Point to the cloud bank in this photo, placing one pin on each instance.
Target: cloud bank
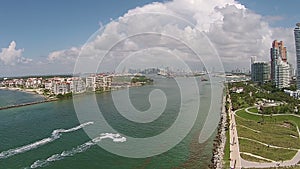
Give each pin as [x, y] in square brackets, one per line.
[12, 56]
[214, 28]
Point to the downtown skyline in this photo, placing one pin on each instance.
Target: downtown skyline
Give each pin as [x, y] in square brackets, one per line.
[54, 33]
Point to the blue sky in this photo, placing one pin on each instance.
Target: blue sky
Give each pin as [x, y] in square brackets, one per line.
[42, 27]
[286, 12]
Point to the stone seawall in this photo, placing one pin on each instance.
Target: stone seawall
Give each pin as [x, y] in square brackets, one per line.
[27, 104]
[220, 140]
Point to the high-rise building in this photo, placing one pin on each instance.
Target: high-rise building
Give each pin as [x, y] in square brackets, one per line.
[297, 42]
[260, 72]
[280, 68]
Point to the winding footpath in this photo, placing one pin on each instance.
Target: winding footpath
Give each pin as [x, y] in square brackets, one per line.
[237, 162]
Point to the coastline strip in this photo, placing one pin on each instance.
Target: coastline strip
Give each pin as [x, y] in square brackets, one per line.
[27, 104]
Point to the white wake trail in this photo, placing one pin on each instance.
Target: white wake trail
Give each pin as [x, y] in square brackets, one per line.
[55, 135]
[81, 148]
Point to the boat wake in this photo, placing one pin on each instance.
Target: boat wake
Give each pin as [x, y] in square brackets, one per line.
[81, 148]
[56, 134]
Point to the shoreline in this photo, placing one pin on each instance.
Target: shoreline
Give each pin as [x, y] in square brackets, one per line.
[28, 91]
[220, 139]
[27, 104]
[46, 99]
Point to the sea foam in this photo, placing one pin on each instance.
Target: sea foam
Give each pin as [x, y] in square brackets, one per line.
[79, 149]
[56, 134]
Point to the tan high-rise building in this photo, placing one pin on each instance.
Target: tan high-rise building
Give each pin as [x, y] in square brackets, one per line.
[279, 46]
[280, 68]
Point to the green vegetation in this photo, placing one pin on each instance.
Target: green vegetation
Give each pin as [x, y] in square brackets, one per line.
[251, 158]
[253, 110]
[141, 79]
[277, 133]
[292, 119]
[268, 132]
[253, 93]
[266, 152]
[292, 167]
[274, 130]
[64, 96]
[227, 144]
[282, 109]
[227, 151]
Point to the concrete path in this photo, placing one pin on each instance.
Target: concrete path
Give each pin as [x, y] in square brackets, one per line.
[235, 158]
[256, 131]
[292, 162]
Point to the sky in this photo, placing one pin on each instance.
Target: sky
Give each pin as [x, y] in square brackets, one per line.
[47, 37]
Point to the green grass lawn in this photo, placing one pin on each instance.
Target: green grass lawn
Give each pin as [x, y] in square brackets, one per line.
[227, 151]
[272, 130]
[253, 110]
[293, 167]
[274, 118]
[270, 133]
[251, 158]
[266, 152]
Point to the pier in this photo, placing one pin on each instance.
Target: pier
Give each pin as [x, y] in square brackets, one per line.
[27, 104]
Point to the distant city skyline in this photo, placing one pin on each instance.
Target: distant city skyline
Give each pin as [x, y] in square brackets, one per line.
[46, 37]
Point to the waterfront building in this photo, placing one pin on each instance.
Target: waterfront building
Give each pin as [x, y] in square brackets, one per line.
[297, 42]
[280, 68]
[104, 82]
[61, 88]
[77, 85]
[90, 82]
[260, 71]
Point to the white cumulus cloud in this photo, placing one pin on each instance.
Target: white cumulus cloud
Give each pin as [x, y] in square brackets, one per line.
[235, 32]
[12, 56]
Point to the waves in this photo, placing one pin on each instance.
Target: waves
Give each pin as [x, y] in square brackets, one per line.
[56, 134]
[81, 148]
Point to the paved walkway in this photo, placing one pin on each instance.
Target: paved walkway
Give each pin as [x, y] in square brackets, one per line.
[237, 162]
[235, 158]
[292, 162]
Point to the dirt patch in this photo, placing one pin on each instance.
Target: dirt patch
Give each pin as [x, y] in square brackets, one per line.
[286, 125]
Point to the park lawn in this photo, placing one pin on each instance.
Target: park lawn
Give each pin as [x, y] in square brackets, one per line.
[254, 159]
[292, 167]
[275, 118]
[227, 151]
[269, 139]
[242, 113]
[253, 110]
[266, 152]
[283, 128]
[270, 133]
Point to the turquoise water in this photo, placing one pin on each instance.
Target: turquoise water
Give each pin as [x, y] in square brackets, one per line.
[8, 97]
[29, 135]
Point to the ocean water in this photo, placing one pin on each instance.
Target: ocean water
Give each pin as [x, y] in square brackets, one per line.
[49, 135]
[8, 97]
